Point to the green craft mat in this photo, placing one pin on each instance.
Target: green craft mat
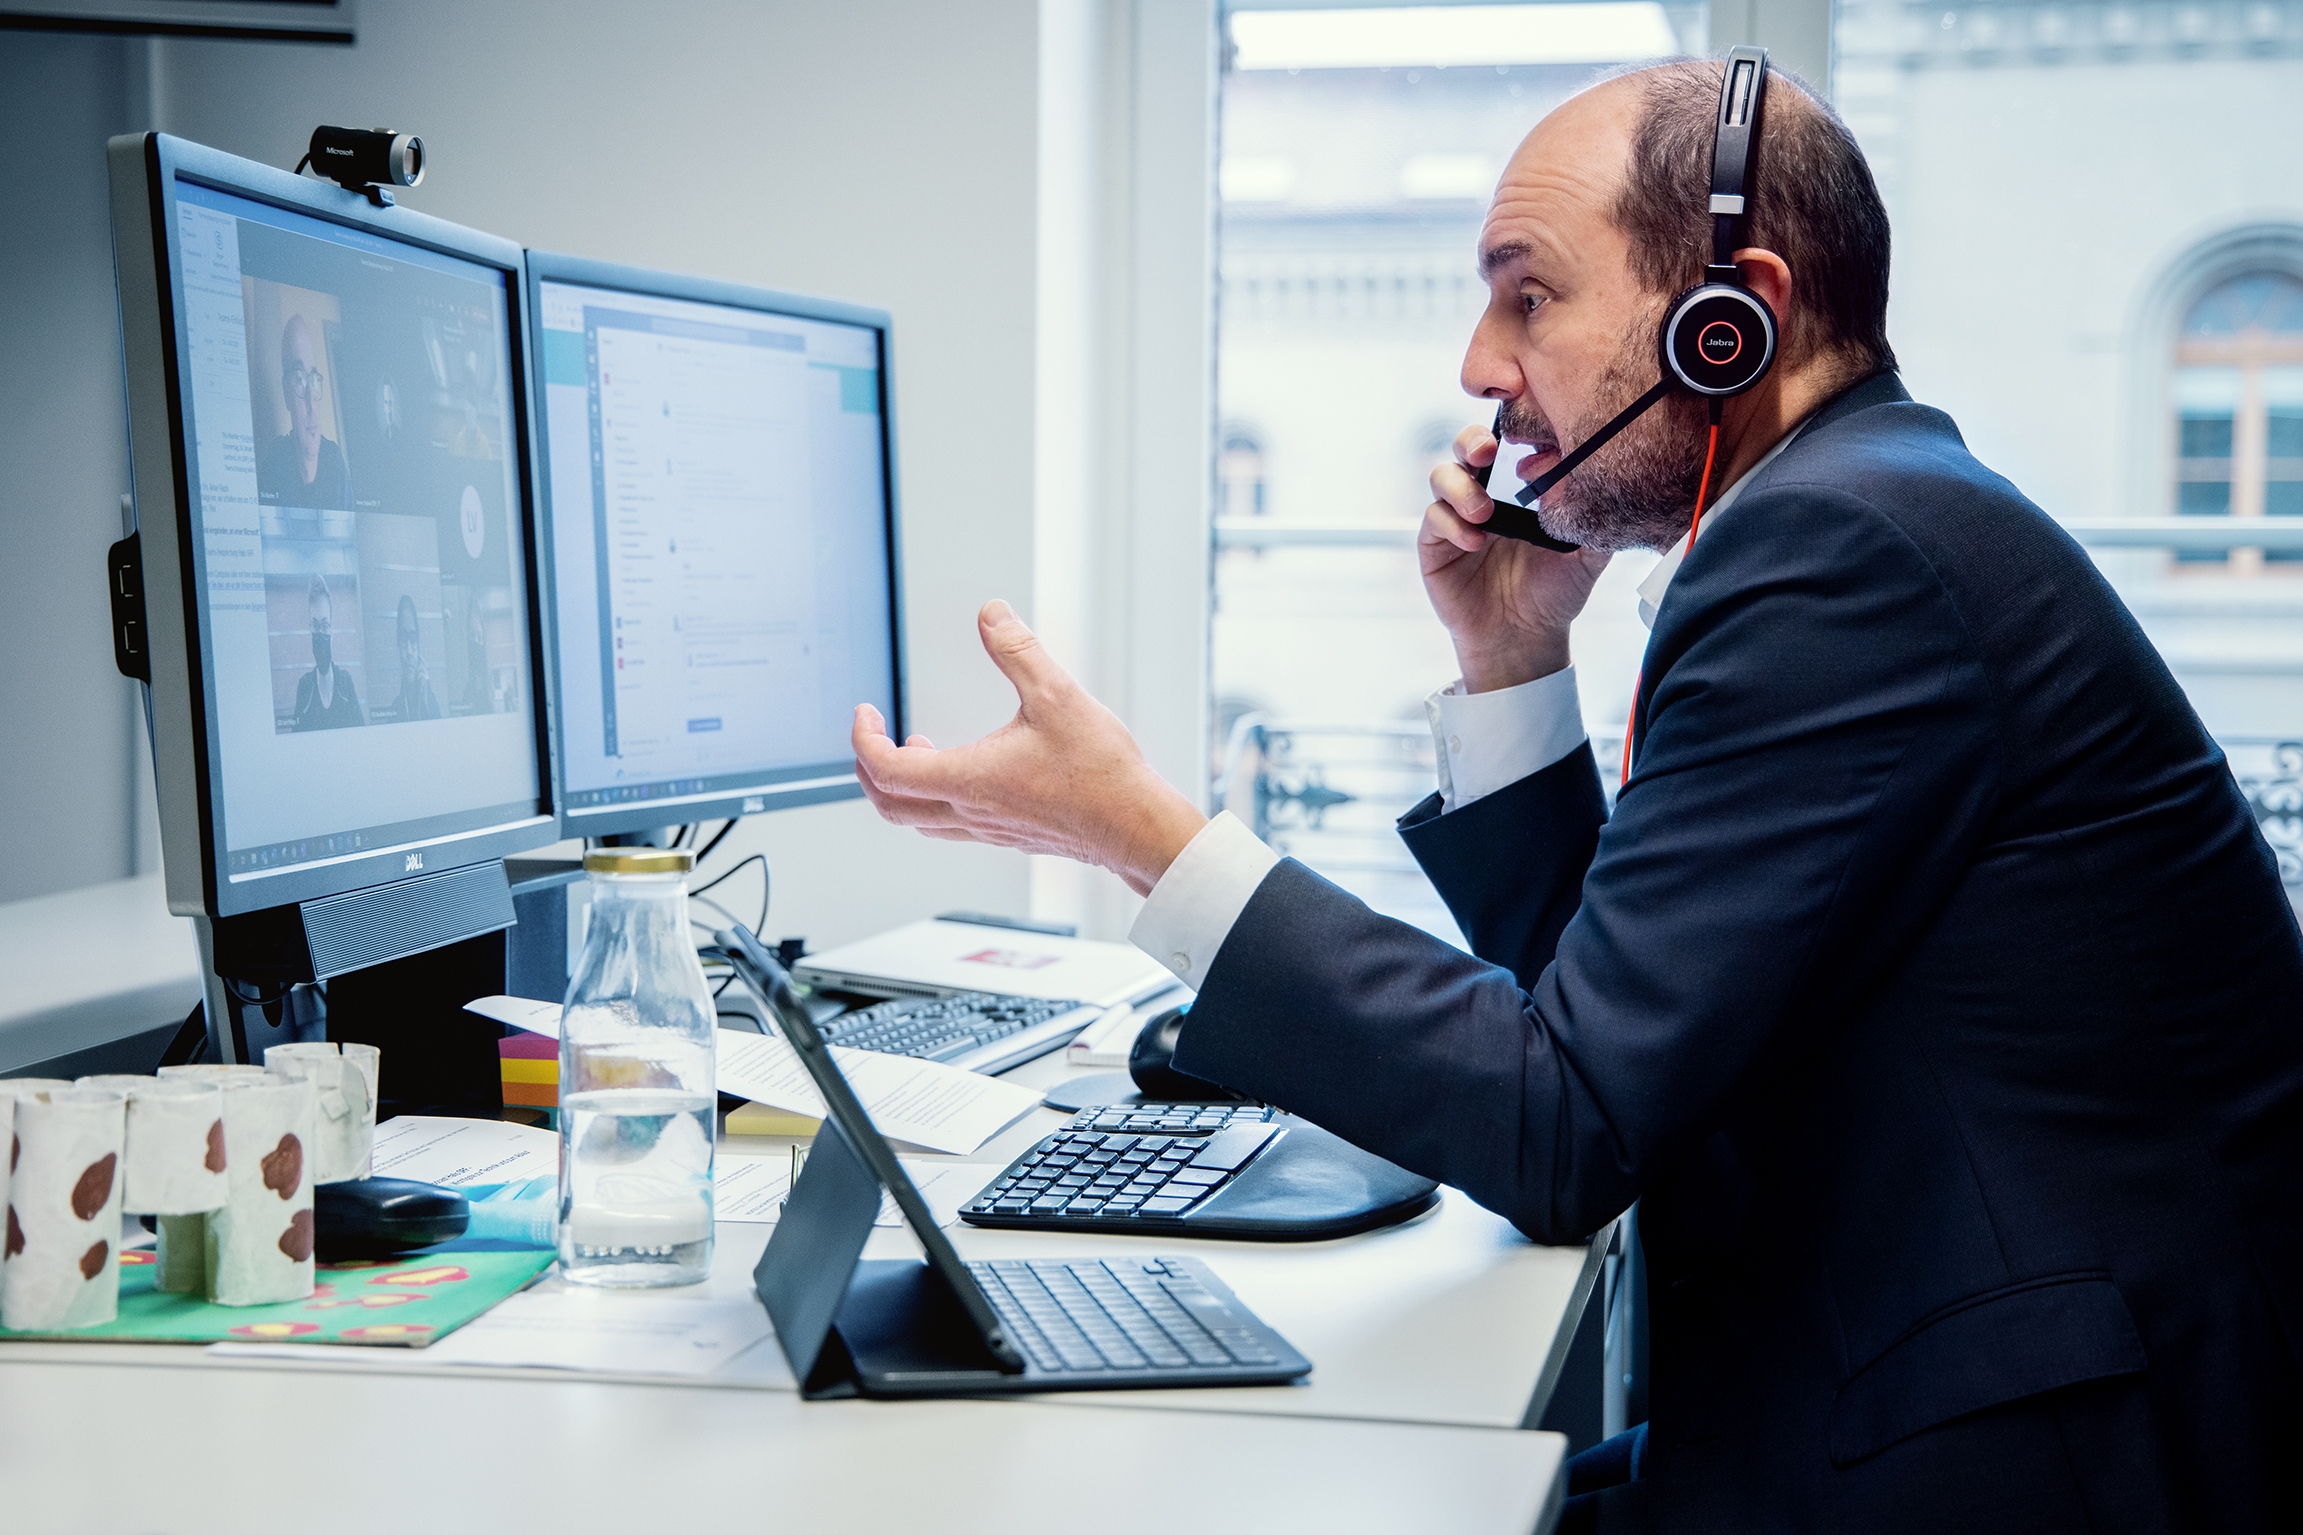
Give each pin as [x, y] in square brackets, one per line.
[392, 1303]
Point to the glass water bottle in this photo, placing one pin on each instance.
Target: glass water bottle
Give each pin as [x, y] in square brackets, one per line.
[636, 1082]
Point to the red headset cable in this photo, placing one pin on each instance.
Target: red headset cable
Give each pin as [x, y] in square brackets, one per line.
[1702, 494]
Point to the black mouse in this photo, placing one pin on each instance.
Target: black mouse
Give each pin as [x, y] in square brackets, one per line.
[382, 1217]
[1156, 1078]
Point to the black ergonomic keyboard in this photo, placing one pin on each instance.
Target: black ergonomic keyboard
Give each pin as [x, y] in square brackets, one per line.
[1240, 1170]
[1126, 1178]
[1086, 1315]
[974, 1030]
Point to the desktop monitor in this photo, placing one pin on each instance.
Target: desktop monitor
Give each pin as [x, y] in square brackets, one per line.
[330, 449]
[718, 530]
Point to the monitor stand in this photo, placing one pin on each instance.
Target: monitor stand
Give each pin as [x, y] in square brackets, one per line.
[410, 1004]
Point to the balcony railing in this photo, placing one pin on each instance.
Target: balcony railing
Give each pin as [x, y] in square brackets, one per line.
[2188, 535]
[1328, 793]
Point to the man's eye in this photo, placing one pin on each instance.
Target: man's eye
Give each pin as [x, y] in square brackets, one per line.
[1529, 303]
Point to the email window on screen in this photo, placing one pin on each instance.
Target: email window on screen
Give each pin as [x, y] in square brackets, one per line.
[707, 544]
[735, 498]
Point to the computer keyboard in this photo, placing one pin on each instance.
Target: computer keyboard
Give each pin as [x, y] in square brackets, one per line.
[1244, 1171]
[1131, 1179]
[1085, 1315]
[974, 1030]
[1170, 1118]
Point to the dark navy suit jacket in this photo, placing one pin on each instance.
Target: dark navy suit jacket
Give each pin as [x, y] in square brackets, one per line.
[1931, 987]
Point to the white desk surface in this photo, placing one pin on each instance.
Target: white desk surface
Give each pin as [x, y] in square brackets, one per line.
[111, 1447]
[1427, 1340]
[1450, 1319]
[90, 966]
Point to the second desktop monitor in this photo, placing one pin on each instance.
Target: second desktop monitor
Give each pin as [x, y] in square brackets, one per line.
[719, 532]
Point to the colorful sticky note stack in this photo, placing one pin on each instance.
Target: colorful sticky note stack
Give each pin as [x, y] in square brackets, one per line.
[531, 1064]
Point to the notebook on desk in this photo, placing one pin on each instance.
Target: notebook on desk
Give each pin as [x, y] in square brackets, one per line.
[944, 1327]
[942, 957]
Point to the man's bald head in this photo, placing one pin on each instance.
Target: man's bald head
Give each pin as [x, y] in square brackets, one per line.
[1811, 199]
[1642, 142]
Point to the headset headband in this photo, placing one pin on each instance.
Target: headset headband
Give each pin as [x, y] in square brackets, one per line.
[1718, 338]
[1742, 88]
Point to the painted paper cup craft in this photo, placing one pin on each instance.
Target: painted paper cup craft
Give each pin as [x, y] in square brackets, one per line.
[63, 1216]
[259, 1244]
[344, 1082]
[8, 1140]
[9, 1088]
[174, 1162]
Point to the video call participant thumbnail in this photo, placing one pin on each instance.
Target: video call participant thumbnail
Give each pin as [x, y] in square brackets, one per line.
[301, 467]
[417, 700]
[325, 697]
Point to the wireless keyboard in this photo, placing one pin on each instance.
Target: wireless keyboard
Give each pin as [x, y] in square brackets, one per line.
[1129, 1178]
[1157, 1314]
[974, 1030]
[1245, 1171]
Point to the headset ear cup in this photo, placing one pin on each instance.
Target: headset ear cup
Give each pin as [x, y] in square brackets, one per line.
[1718, 339]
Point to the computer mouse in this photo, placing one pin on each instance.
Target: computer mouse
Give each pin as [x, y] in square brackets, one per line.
[382, 1217]
[1156, 1078]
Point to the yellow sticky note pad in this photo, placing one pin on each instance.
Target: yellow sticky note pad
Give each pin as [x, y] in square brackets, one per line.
[759, 1119]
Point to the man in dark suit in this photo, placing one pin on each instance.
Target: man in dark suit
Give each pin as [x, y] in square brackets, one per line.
[1929, 986]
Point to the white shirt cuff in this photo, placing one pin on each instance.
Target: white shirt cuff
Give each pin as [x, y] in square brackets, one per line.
[1487, 741]
[1191, 910]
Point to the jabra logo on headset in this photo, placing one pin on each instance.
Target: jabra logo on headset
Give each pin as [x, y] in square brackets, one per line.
[1719, 342]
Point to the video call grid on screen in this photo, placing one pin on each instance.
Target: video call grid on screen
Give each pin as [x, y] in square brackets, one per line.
[358, 547]
[719, 529]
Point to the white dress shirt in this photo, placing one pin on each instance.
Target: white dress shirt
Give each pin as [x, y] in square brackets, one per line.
[1484, 742]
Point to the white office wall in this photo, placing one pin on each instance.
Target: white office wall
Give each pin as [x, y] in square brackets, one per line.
[998, 174]
[64, 712]
[877, 150]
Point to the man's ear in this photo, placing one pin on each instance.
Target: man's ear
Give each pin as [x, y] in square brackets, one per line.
[1768, 275]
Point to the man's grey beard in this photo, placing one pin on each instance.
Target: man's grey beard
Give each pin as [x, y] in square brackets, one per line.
[1638, 490]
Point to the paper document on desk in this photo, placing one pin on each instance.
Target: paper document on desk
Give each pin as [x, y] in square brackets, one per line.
[574, 1329]
[453, 1153]
[923, 1103]
[753, 1189]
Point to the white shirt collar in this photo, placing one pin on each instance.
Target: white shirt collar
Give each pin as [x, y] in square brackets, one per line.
[1658, 580]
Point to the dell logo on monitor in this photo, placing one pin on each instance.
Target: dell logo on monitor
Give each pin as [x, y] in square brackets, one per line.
[415, 862]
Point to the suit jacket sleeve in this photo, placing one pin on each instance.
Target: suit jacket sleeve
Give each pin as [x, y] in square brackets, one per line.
[1817, 764]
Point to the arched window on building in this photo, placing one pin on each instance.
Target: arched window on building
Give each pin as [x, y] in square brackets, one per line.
[2238, 395]
[1239, 473]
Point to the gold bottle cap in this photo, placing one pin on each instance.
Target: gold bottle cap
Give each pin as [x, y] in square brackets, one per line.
[639, 860]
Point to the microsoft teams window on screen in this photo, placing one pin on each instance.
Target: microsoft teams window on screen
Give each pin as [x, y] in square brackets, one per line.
[357, 536]
[719, 539]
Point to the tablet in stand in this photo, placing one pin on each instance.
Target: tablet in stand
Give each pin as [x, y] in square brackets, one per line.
[904, 1327]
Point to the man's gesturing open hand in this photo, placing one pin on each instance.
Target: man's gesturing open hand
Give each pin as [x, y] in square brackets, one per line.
[1064, 776]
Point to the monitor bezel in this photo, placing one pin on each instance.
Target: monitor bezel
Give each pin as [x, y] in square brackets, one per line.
[144, 170]
[648, 282]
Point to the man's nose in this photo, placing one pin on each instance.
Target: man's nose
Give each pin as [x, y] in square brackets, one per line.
[1490, 369]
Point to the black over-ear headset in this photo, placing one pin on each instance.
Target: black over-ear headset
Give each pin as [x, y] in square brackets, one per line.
[1717, 338]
